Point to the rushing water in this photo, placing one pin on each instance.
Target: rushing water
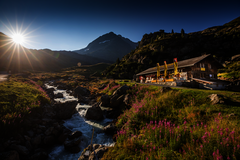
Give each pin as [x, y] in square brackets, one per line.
[79, 123]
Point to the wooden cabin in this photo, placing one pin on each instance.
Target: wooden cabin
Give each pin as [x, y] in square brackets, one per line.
[203, 67]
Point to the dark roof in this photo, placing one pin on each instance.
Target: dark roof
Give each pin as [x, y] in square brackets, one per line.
[181, 64]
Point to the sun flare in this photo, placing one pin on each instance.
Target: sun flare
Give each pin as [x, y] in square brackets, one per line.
[18, 38]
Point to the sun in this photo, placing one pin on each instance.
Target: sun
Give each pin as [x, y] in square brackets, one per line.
[18, 38]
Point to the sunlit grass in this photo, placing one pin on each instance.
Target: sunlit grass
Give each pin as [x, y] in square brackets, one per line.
[18, 98]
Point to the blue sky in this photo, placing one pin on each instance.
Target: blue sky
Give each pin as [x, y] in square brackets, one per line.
[71, 25]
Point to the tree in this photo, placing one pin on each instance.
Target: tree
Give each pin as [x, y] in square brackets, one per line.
[152, 40]
[163, 35]
[182, 33]
[118, 61]
[79, 64]
[161, 30]
[172, 31]
[162, 47]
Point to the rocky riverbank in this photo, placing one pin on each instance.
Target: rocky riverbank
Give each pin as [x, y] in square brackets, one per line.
[44, 129]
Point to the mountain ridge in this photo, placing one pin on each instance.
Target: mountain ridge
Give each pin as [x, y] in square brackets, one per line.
[38, 60]
[108, 46]
[222, 42]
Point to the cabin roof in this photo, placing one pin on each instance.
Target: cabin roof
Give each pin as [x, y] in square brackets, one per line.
[181, 64]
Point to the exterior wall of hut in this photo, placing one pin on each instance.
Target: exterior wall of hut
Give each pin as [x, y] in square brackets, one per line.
[205, 69]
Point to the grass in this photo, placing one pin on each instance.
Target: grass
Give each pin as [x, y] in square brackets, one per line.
[178, 124]
[88, 70]
[18, 98]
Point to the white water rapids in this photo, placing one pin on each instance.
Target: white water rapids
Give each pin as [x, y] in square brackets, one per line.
[79, 123]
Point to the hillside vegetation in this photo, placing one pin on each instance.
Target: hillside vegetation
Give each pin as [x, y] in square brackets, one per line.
[178, 124]
[220, 41]
[231, 70]
[18, 98]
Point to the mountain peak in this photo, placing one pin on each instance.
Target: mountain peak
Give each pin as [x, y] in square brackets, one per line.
[109, 46]
[111, 33]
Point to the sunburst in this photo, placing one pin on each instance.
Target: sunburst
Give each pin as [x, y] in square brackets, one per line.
[19, 38]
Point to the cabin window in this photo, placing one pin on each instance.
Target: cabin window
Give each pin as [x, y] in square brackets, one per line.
[202, 65]
[210, 67]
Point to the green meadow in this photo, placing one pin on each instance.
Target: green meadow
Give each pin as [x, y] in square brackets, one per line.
[18, 98]
[177, 124]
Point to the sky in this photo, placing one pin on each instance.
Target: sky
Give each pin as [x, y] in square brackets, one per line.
[73, 24]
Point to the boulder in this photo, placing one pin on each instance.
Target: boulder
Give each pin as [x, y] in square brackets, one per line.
[80, 91]
[94, 113]
[97, 150]
[49, 112]
[59, 95]
[62, 86]
[105, 99]
[63, 136]
[126, 100]
[82, 99]
[110, 129]
[216, 98]
[72, 145]
[22, 150]
[41, 155]
[49, 131]
[75, 134]
[121, 90]
[165, 89]
[30, 133]
[102, 86]
[27, 138]
[116, 100]
[28, 145]
[113, 114]
[49, 140]
[50, 91]
[11, 155]
[36, 140]
[57, 131]
[65, 110]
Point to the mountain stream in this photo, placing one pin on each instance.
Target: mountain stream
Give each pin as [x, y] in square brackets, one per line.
[79, 123]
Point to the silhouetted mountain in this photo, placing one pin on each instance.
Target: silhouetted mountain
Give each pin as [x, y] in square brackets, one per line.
[220, 41]
[18, 58]
[108, 46]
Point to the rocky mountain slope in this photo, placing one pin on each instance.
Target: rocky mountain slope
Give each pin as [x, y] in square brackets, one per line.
[18, 58]
[108, 46]
[220, 41]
